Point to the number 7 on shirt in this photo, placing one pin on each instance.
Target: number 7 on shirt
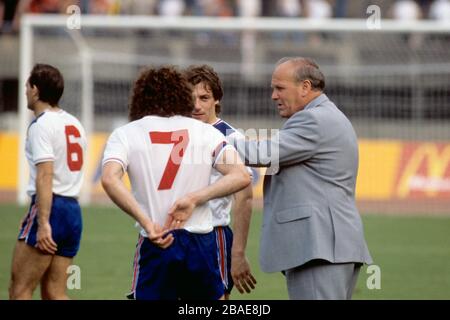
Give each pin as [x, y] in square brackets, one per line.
[180, 140]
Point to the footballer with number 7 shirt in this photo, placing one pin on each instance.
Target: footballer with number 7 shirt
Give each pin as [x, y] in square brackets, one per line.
[169, 158]
[50, 234]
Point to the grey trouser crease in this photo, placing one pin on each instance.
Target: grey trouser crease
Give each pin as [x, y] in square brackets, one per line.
[322, 280]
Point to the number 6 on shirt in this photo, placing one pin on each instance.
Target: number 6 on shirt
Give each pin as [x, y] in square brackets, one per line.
[73, 148]
[180, 139]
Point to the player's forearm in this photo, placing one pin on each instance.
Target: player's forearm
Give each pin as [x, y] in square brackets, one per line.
[44, 194]
[228, 184]
[123, 198]
[242, 212]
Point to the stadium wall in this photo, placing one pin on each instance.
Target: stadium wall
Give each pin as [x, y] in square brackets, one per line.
[394, 175]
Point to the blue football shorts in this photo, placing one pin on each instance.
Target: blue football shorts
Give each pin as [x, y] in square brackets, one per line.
[65, 220]
[224, 242]
[187, 269]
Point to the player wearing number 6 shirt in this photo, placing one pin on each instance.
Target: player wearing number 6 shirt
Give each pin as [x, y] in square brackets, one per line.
[169, 158]
[50, 233]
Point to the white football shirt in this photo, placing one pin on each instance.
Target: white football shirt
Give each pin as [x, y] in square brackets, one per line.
[165, 159]
[221, 207]
[58, 137]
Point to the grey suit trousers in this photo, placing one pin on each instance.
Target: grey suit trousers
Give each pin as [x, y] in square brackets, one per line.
[322, 280]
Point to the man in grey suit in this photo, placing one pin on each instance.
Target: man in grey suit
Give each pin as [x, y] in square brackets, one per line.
[312, 230]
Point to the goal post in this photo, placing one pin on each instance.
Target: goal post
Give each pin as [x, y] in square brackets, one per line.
[392, 82]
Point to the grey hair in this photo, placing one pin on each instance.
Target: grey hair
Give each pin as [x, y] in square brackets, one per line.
[306, 69]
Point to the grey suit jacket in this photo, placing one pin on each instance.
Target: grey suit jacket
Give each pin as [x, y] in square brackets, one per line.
[309, 204]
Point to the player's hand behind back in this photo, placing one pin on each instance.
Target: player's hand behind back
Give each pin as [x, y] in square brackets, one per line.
[180, 212]
[159, 236]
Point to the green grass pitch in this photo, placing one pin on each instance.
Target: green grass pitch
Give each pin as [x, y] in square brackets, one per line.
[413, 253]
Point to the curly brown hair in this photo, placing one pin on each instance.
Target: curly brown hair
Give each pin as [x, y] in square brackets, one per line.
[163, 92]
[206, 75]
